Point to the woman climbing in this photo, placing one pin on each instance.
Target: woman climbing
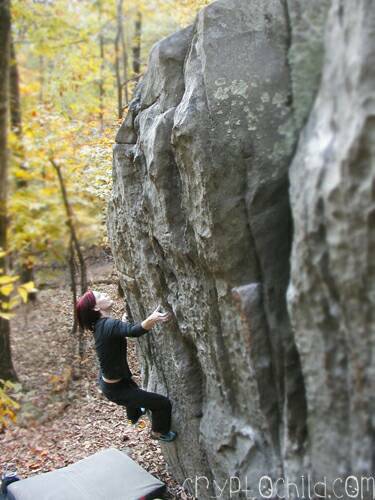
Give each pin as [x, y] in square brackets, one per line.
[115, 377]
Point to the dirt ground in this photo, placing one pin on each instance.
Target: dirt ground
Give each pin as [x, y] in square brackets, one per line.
[59, 424]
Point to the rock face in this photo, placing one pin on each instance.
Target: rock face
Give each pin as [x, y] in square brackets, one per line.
[217, 215]
[332, 289]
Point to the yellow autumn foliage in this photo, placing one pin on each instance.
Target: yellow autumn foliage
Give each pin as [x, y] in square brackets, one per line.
[8, 406]
[63, 117]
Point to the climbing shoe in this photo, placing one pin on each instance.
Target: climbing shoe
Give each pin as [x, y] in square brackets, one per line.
[167, 437]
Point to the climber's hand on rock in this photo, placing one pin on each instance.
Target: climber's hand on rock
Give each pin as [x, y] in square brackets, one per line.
[124, 317]
[156, 317]
[161, 316]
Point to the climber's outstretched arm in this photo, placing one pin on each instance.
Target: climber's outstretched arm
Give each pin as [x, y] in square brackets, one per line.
[125, 328]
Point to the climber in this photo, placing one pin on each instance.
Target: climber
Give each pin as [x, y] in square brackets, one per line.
[115, 377]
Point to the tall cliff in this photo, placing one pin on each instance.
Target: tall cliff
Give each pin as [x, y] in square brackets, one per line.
[243, 196]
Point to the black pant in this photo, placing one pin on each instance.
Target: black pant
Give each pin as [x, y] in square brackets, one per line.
[127, 393]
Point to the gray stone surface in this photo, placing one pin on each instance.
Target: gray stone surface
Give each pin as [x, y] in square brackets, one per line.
[200, 221]
[331, 294]
[307, 24]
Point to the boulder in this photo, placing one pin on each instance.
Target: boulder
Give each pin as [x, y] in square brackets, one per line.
[233, 200]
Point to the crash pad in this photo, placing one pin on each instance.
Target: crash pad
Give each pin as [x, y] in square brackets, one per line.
[106, 475]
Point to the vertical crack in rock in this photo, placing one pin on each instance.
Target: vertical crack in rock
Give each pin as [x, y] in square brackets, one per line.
[257, 345]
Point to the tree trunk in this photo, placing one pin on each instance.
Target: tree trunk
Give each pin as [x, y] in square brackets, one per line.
[6, 366]
[124, 51]
[101, 76]
[73, 234]
[137, 44]
[27, 269]
[41, 79]
[118, 75]
[73, 284]
[101, 84]
[121, 57]
[14, 88]
[74, 247]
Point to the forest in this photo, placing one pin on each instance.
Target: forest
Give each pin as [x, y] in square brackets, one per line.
[72, 68]
[187, 241]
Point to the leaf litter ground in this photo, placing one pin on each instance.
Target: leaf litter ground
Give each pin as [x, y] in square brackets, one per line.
[59, 424]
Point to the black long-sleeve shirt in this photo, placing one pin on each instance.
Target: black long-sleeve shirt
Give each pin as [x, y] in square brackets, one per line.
[111, 345]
